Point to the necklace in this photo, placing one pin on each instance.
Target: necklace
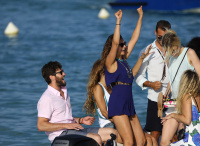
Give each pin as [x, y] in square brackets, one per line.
[128, 70]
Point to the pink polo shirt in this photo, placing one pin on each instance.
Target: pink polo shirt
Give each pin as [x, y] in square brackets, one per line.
[55, 108]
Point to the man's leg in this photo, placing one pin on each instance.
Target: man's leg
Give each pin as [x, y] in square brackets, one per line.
[88, 132]
[105, 133]
[153, 122]
[96, 137]
[156, 135]
[111, 125]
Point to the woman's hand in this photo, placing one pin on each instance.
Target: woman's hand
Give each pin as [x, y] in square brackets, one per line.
[164, 119]
[87, 120]
[140, 11]
[146, 53]
[118, 15]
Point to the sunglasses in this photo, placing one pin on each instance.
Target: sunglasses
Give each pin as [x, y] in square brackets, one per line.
[61, 72]
[122, 44]
[160, 38]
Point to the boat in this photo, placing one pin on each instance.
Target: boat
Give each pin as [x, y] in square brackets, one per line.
[79, 140]
[158, 5]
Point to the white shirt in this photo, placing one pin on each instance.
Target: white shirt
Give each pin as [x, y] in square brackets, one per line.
[55, 108]
[153, 66]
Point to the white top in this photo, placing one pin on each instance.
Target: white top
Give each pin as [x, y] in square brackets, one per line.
[174, 63]
[102, 120]
[153, 66]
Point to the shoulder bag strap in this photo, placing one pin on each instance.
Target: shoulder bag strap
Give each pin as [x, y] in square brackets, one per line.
[179, 66]
[196, 103]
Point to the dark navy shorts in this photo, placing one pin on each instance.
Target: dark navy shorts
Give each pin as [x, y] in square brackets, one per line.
[82, 132]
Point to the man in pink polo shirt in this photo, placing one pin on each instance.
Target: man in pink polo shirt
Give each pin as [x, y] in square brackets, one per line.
[55, 112]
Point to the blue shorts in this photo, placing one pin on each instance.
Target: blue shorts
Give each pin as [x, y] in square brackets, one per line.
[82, 132]
[110, 125]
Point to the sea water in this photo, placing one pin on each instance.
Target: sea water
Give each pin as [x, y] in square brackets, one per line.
[71, 33]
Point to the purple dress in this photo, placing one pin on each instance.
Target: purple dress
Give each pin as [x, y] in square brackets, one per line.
[121, 100]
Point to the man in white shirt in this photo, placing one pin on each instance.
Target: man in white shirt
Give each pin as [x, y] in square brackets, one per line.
[157, 79]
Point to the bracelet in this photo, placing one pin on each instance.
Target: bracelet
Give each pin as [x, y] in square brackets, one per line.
[149, 84]
[118, 24]
[79, 121]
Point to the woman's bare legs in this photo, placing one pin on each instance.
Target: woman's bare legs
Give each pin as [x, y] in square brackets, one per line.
[124, 128]
[168, 131]
[151, 141]
[119, 139]
[137, 130]
[156, 135]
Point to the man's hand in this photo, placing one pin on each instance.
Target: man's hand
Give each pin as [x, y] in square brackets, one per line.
[75, 126]
[156, 85]
[87, 120]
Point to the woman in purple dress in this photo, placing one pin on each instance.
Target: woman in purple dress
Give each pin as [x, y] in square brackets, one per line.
[119, 75]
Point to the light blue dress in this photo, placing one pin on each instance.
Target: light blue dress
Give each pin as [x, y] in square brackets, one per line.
[174, 63]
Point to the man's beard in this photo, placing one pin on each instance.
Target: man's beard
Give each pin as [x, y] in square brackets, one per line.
[60, 82]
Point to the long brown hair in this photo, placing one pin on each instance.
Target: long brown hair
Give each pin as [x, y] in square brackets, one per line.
[94, 78]
[189, 84]
[97, 71]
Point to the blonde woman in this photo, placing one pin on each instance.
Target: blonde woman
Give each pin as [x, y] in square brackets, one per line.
[180, 59]
[188, 108]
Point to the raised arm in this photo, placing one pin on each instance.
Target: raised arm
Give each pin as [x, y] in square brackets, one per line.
[194, 60]
[136, 33]
[115, 42]
[138, 64]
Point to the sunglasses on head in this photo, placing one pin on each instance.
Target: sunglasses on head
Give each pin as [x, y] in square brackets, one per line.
[122, 44]
[61, 72]
[160, 38]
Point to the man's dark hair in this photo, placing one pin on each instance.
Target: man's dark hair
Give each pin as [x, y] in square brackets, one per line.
[49, 69]
[195, 44]
[163, 24]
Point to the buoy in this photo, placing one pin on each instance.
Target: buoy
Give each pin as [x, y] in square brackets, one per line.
[103, 14]
[11, 29]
